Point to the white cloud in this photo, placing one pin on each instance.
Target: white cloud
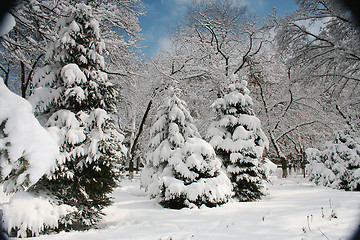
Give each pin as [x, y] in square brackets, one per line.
[242, 2]
[183, 1]
[313, 26]
[164, 44]
[261, 3]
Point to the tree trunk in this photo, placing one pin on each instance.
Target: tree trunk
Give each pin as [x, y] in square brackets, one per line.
[7, 73]
[137, 164]
[279, 153]
[133, 147]
[284, 166]
[26, 81]
[303, 161]
[131, 169]
[23, 82]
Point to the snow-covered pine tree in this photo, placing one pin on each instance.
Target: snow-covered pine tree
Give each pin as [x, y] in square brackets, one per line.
[338, 165]
[169, 132]
[194, 177]
[239, 141]
[74, 100]
[182, 169]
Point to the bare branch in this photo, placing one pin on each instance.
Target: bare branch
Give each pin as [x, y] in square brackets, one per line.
[218, 48]
[285, 111]
[337, 75]
[115, 73]
[294, 128]
[32, 71]
[245, 57]
[347, 120]
[313, 35]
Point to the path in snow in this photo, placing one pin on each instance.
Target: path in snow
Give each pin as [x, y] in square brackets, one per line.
[291, 210]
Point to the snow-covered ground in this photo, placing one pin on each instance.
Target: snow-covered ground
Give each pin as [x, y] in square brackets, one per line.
[293, 209]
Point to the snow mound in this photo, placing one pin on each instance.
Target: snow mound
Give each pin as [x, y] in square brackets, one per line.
[71, 74]
[24, 213]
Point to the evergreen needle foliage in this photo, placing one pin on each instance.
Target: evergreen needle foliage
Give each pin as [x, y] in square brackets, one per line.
[239, 141]
[182, 169]
[338, 165]
[74, 98]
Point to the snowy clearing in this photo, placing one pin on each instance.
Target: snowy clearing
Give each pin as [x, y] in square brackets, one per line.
[291, 210]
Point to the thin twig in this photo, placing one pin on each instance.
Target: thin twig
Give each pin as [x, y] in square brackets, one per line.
[323, 234]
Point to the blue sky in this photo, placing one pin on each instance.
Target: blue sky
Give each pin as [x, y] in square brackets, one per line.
[160, 14]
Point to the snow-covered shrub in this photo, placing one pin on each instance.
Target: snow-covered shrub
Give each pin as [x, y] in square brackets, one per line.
[269, 168]
[239, 141]
[193, 177]
[27, 150]
[182, 169]
[338, 165]
[74, 99]
[26, 215]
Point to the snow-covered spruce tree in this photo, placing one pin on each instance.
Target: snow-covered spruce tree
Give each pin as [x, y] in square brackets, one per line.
[74, 99]
[239, 141]
[182, 169]
[27, 153]
[169, 132]
[338, 165]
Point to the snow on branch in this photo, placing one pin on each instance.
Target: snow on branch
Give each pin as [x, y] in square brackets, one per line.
[28, 150]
